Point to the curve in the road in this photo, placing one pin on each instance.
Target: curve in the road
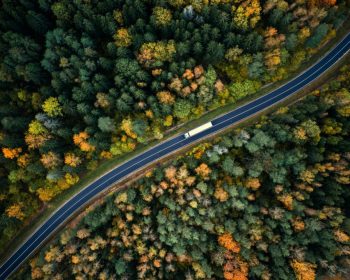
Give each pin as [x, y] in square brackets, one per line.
[220, 123]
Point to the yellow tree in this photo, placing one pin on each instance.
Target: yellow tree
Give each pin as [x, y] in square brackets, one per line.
[37, 135]
[170, 173]
[236, 270]
[253, 184]
[35, 141]
[50, 160]
[166, 97]
[23, 160]
[80, 140]
[298, 224]
[83, 233]
[46, 194]
[303, 270]
[122, 38]
[156, 51]
[304, 33]
[341, 236]
[272, 38]
[341, 98]
[247, 14]
[36, 273]
[168, 120]
[162, 16]
[126, 126]
[15, 211]
[203, 170]
[233, 54]
[220, 194]
[52, 254]
[80, 137]
[71, 159]
[102, 100]
[52, 107]
[286, 200]
[71, 179]
[273, 58]
[36, 128]
[300, 133]
[118, 16]
[307, 175]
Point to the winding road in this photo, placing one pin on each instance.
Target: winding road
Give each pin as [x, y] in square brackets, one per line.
[165, 148]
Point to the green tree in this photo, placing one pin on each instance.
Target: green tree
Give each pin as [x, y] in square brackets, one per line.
[182, 109]
[106, 124]
[318, 35]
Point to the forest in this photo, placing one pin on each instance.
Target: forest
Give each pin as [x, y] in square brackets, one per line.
[269, 201]
[84, 80]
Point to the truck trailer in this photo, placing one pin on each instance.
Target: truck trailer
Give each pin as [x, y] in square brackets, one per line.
[198, 129]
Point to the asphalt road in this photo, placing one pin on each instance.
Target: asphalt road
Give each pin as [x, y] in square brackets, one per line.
[169, 146]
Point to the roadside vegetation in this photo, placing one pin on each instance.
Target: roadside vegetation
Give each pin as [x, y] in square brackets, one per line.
[264, 202]
[85, 81]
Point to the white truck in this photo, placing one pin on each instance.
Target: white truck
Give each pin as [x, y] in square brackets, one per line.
[198, 129]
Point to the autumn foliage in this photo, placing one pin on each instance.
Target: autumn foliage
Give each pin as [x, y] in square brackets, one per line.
[203, 170]
[80, 140]
[123, 38]
[304, 270]
[86, 81]
[15, 211]
[11, 153]
[226, 240]
[71, 159]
